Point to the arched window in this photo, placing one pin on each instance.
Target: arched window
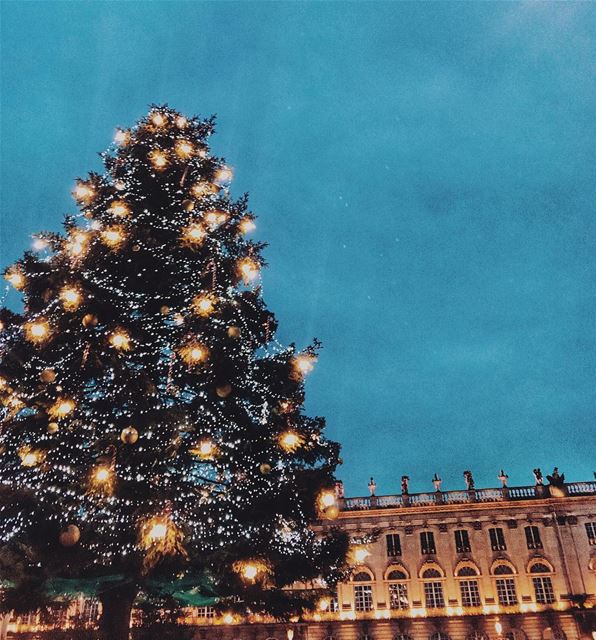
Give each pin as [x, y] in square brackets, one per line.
[477, 635]
[555, 633]
[398, 590]
[466, 571]
[363, 593]
[515, 634]
[503, 570]
[397, 574]
[543, 586]
[439, 635]
[506, 591]
[431, 573]
[540, 567]
[402, 636]
[362, 576]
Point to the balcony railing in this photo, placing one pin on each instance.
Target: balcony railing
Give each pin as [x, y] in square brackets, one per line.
[437, 498]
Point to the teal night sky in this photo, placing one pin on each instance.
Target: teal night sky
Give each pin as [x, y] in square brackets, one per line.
[423, 172]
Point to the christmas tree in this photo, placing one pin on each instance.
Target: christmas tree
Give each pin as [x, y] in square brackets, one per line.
[153, 429]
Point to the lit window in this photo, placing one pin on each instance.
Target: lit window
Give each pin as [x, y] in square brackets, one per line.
[506, 592]
[398, 595]
[433, 595]
[470, 594]
[363, 597]
[543, 589]
[533, 538]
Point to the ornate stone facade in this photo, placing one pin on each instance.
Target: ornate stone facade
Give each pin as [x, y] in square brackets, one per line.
[512, 563]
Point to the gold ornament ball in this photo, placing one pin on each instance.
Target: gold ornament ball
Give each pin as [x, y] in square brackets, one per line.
[70, 536]
[233, 332]
[48, 375]
[89, 320]
[52, 427]
[129, 435]
[165, 310]
[265, 468]
[224, 390]
[188, 205]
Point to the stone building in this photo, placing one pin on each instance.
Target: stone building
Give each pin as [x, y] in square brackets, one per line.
[511, 563]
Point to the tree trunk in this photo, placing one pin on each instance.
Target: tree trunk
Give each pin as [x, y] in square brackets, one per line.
[116, 604]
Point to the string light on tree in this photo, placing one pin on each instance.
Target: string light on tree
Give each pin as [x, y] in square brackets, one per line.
[158, 159]
[184, 149]
[119, 208]
[204, 304]
[113, 236]
[246, 225]
[172, 344]
[61, 408]
[16, 278]
[71, 297]
[290, 441]
[303, 364]
[120, 340]
[37, 331]
[249, 270]
[84, 192]
[194, 353]
[122, 137]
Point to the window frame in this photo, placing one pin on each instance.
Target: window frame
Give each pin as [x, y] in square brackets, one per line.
[533, 538]
[463, 545]
[397, 551]
[506, 591]
[472, 586]
[428, 546]
[497, 540]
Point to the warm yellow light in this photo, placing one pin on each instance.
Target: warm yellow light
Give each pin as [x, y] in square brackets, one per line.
[303, 365]
[84, 192]
[159, 160]
[181, 122]
[158, 119]
[119, 208]
[290, 441]
[193, 234]
[113, 236]
[184, 149]
[200, 189]
[204, 304]
[71, 298]
[39, 244]
[246, 225]
[15, 277]
[102, 474]
[29, 458]
[158, 531]
[37, 331]
[361, 554]
[327, 499]
[214, 218]
[498, 628]
[228, 618]
[194, 353]
[249, 270]
[121, 137]
[61, 408]
[205, 449]
[224, 175]
[120, 340]
[77, 243]
[250, 571]
[324, 604]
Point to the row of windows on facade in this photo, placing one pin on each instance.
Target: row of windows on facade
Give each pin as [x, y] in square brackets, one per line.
[434, 598]
[462, 540]
[549, 633]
